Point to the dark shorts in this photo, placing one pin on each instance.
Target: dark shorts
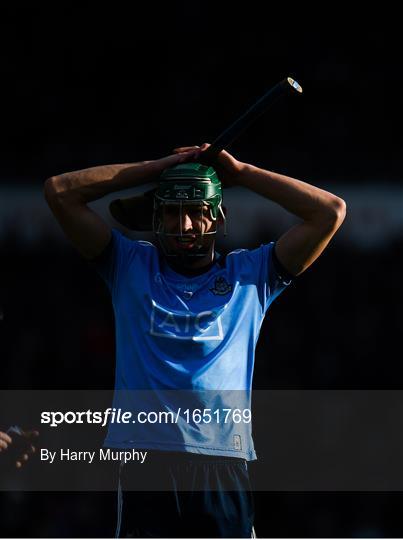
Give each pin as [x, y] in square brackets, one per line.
[184, 495]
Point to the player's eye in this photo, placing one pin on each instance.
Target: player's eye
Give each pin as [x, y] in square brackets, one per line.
[194, 212]
[171, 210]
[204, 211]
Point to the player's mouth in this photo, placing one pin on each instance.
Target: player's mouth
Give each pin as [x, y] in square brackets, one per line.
[185, 242]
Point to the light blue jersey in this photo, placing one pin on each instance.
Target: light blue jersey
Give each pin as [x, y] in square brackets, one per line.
[191, 340]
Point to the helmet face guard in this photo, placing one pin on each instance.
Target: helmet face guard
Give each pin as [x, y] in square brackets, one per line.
[190, 188]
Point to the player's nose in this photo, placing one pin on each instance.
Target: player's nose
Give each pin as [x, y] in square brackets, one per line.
[187, 223]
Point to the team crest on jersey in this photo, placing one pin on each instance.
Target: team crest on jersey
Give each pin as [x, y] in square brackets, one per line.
[221, 286]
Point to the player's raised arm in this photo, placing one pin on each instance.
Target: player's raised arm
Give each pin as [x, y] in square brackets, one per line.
[321, 213]
[68, 196]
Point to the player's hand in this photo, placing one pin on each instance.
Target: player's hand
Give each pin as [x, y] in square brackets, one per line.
[30, 437]
[187, 154]
[23, 444]
[5, 441]
[228, 168]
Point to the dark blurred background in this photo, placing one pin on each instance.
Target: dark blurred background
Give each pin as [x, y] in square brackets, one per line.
[90, 85]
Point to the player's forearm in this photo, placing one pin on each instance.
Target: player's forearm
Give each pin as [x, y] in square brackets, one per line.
[87, 185]
[301, 199]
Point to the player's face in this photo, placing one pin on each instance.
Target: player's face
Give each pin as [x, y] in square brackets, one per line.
[186, 233]
[186, 224]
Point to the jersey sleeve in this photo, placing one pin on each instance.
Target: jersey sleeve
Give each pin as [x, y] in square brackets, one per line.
[267, 273]
[113, 262]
